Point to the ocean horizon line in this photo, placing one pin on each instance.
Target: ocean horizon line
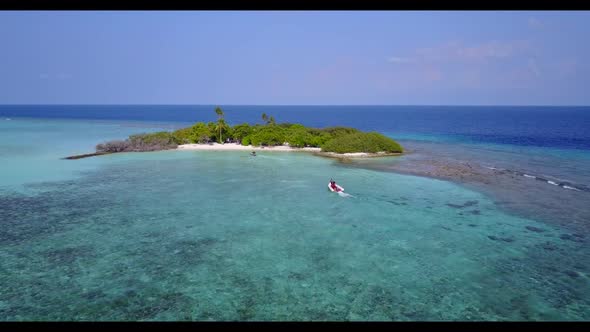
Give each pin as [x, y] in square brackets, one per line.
[307, 105]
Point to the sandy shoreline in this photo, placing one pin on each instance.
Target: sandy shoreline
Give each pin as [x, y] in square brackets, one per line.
[238, 147]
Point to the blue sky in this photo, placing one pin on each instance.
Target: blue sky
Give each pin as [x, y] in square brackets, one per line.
[301, 58]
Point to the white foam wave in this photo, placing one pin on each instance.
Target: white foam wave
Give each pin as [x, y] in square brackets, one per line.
[572, 188]
[529, 176]
[553, 183]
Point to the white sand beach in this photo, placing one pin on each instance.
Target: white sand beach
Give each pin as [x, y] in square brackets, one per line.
[238, 147]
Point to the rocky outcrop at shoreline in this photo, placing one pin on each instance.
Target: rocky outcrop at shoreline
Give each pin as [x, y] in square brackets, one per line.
[80, 156]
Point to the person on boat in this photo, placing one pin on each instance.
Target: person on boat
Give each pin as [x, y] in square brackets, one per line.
[333, 185]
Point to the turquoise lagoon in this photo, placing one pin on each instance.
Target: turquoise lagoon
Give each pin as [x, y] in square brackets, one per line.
[181, 235]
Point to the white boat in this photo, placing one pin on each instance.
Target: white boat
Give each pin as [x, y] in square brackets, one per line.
[337, 186]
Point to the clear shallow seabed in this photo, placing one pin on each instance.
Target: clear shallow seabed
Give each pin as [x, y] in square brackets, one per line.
[545, 184]
[180, 235]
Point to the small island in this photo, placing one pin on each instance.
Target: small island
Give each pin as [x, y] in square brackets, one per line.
[335, 142]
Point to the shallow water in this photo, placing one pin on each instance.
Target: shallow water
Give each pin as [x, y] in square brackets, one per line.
[31, 149]
[186, 235]
[550, 185]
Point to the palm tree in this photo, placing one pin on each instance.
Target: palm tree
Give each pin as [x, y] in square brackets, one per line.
[271, 120]
[220, 123]
[219, 112]
[265, 117]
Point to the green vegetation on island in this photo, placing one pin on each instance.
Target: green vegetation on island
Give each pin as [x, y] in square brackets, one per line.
[270, 133]
[362, 142]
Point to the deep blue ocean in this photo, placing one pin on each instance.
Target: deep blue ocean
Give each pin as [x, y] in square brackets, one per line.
[542, 126]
